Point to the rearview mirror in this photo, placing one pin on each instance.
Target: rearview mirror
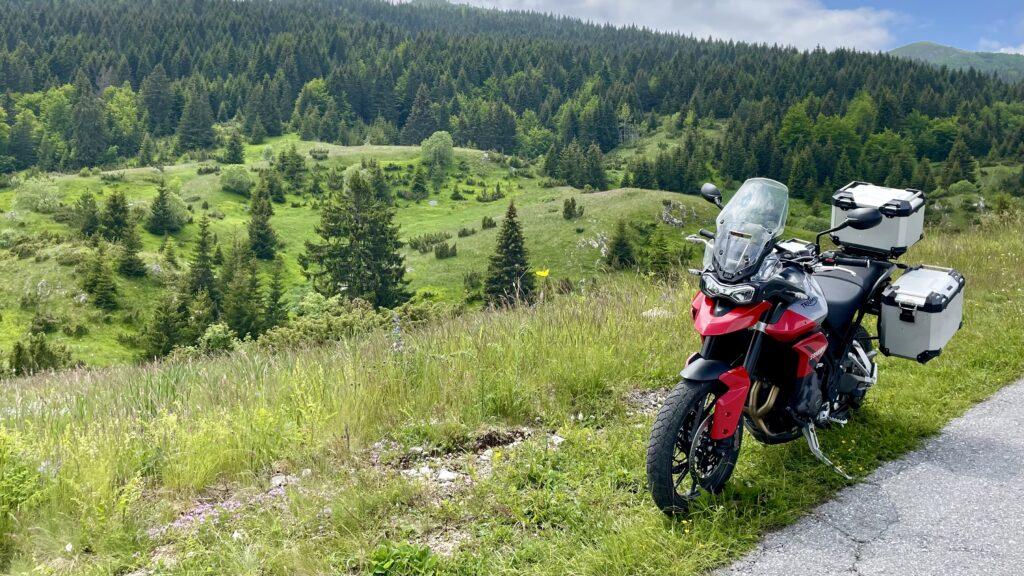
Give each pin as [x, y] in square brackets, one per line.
[711, 193]
[863, 218]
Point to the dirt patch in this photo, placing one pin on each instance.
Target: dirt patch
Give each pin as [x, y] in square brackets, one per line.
[646, 402]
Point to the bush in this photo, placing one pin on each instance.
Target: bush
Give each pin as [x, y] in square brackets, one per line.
[488, 223]
[37, 195]
[218, 338]
[318, 153]
[445, 250]
[45, 323]
[8, 238]
[204, 169]
[570, 210]
[236, 181]
[466, 232]
[37, 355]
[490, 195]
[425, 242]
[112, 177]
[963, 187]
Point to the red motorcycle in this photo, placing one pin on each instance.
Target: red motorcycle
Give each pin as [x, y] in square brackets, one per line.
[782, 346]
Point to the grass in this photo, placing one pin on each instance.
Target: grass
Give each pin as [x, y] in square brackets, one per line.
[121, 451]
[566, 248]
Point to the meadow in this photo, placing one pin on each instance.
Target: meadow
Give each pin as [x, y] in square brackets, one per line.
[46, 280]
[310, 461]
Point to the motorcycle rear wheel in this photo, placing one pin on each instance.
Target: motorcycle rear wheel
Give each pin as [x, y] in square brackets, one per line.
[671, 446]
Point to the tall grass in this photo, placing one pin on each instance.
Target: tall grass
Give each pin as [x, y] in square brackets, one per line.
[104, 455]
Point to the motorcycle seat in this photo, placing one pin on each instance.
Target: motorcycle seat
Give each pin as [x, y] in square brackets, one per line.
[845, 293]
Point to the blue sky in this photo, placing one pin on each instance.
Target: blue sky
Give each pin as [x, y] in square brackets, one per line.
[991, 25]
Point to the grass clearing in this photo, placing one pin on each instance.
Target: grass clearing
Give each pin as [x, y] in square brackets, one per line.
[121, 451]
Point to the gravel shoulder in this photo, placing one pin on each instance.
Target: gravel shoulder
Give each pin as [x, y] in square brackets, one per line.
[953, 507]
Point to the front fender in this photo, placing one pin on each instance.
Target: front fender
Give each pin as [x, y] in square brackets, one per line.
[729, 406]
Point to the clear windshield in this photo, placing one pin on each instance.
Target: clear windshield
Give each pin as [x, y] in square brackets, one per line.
[754, 216]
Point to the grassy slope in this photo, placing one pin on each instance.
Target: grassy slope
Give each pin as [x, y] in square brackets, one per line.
[554, 243]
[1008, 66]
[126, 449]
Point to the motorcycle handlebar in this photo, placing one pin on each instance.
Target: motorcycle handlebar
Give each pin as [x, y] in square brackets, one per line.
[844, 261]
[707, 234]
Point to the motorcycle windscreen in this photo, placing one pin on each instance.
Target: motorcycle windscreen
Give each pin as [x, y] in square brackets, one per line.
[754, 216]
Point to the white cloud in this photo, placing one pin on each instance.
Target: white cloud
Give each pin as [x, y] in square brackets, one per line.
[800, 23]
[989, 45]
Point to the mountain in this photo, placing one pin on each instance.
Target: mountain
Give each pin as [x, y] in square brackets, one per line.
[1007, 66]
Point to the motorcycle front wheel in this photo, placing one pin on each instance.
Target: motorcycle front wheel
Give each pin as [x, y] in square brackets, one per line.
[681, 457]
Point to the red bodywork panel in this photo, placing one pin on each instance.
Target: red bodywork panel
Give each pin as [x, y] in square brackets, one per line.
[808, 352]
[729, 406]
[790, 327]
[739, 318]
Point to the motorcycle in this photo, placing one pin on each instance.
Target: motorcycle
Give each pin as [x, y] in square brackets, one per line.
[783, 352]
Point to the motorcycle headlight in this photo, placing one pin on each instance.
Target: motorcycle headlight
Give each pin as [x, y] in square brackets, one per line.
[738, 293]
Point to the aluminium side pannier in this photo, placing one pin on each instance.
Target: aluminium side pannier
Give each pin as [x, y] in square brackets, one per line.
[920, 313]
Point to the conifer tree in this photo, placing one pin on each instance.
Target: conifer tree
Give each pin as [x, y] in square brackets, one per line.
[88, 125]
[551, 165]
[201, 277]
[161, 334]
[243, 298]
[419, 184]
[195, 129]
[116, 219]
[157, 100]
[620, 251]
[199, 315]
[168, 252]
[99, 281]
[147, 151]
[129, 264]
[262, 238]
[509, 278]
[161, 217]
[234, 152]
[960, 164]
[87, 215]
[421, 122]
[274, 312]
[594, 168]
[359, 252]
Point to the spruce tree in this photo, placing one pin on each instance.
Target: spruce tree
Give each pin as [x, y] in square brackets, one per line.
[359, 252]
[87, 215]
[234, 152]
[199, 314]
[99, 281]
[620, 252]
[509, 278]
[129, 264]
[147, 151]
[262, 238]
[242, 297]
[88, 125]
[116, 219]
[419, 184]
[195, 129]
[594, 168]
[551, 165]
[201, 277]
[274, 312]
[161, 218]
[158, 101]
[960, 164]
[421, 122]
[163, 331]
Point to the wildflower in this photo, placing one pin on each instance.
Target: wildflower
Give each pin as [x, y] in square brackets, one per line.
[543, 273]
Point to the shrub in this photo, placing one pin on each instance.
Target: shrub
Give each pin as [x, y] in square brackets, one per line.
[204, 169]
[236, 180]
[37, 355]
[44, 323]
[570, 210]
[218, 338]
[473, 282]
[37, 195]
[8, 238]
[112, 177]
[465, 232]
[445, 250]
[425, 242]
[963, 187]
[490, 195]
[488, 223]
[318, 153]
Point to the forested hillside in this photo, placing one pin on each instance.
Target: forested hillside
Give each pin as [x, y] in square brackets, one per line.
[1007, 66]
[183, 174]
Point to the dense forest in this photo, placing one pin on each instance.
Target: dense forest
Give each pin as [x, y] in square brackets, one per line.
[113, 82]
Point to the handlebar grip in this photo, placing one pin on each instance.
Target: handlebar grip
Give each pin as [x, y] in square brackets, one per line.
[844, 261]
[707, 234]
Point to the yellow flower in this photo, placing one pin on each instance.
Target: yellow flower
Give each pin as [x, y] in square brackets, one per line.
[543, 273]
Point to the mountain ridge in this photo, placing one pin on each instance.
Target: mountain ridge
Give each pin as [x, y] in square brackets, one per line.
[1009, 67]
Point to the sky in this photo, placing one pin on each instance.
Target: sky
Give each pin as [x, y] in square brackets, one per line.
[870, 25]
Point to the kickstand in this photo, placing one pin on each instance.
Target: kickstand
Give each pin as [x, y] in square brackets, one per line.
[812, 442]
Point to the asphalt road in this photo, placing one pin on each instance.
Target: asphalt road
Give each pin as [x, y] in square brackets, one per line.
[954, 507]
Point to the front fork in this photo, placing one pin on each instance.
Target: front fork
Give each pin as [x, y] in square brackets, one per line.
[729, 406]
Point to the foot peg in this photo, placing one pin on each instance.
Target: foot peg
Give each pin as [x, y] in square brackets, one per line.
[812, 442]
